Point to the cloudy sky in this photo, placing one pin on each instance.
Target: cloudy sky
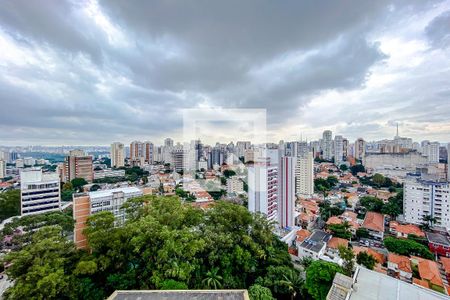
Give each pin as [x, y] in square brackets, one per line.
[93, 72]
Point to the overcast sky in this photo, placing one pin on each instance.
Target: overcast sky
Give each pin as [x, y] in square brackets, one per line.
[88, 72]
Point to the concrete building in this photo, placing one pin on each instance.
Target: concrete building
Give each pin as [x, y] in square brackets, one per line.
[40, 192]
[431, 151]
[314, 246]
[327, 145]
[304, 175]
[77, 165]
[422, 198]
[338, 149]
[360, 149]
[149, 152]
[87, 204]
[2, 169]
[263, 187]
[235, 185]
[286, 191]
[388, 163]
[19, 163]
[448, 162]
[117, 155]
[108, 173]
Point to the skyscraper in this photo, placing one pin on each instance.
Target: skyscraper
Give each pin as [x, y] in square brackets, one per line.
[78, 165]
[286, 191]
[304, 175]
[327, 145]
[148, 152]
[117, 155]
[136, 150]
[338, 149]
[2, 169]
[360, 149]
[262, 185]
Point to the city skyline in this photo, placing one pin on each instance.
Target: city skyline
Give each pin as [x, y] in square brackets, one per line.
[96, 72]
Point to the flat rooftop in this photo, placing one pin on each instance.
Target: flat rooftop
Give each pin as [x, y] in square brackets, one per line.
[180, 295]
[106, 193]
[371, 285]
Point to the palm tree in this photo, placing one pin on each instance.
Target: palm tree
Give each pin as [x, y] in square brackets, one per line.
[294, 283]
[428, 221]
[213, 280]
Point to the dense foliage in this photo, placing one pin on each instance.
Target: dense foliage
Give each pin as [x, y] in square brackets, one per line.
[9, 204]
[407, 247]
[365, 259]
[163, 244]
[319, 277]
[327, 210]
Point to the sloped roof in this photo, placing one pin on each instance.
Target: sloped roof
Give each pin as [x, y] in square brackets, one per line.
[335, 242]
[403, 263]
[374, 221]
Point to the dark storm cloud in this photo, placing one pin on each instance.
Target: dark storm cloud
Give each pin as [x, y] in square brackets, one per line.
[96, 72]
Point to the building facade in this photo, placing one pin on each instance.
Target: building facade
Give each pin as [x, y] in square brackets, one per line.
[304, 175]
[78, 165]
[327, 145]
[117, 155]
[286, 191]
[426, 198]
[40, 192]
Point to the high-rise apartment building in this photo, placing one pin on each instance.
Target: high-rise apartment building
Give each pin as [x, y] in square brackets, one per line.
[327, 145]
[304, 175]
[338, 149]
[78, 165]
[136, 150]
[40, 192]
[117, 155]
[2, 169]
[235, 185]
[286, 191]
[263, 186]
[422, 198]
[431, 151]
[448, 162]
[87, 204]
[345, 148]
[360, 149]
[149, 152]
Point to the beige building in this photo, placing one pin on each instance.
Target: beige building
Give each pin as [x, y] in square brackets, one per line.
[78, 165]
[304, 175]
[2, 169]
[117, 155]
[235, 185]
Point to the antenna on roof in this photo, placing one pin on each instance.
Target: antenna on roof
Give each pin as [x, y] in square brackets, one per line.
[397, 130]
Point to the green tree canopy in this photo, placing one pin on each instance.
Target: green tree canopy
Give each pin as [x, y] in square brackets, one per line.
[9, 204]
[78, 183]
[407, 247]
[365, 259]
[319, 277]
[258, 292]
[371, 203]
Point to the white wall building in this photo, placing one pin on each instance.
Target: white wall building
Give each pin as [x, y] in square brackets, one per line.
[327, 145]
[304, 175]
[40, 192]
[117, 155]
[360, 149]
[338, 149]
[235, 185]
[421, 198]
[431, 151]
[286, 191]
[2, 169]
[263, 187]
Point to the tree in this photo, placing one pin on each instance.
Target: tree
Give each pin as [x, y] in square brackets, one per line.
[67, 186]
[94, 188]
[407, 247]
[213, 280]
[327, 210]
[362, 233]
[258, 292]
[341, 230]
[343, 167]
[332, 181]
[171, 284]
[39, 270]
[428, 221]
[365, 259]
[371, 203]
[378, 179]
[9, 204]
[347, 256]
[229, 173]
[357, 169]
[78, 183]
[319, 277]
[391, 208]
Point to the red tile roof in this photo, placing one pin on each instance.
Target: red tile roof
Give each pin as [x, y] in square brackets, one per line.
[377, 255]
[374, 221]
[335, 242]
[302, 234]
[429, 270]
[406, 229]
[446, 264]
[421, 283]
[403, 263]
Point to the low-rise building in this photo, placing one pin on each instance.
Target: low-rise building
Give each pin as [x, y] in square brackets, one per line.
[314, 246]
[403, 230]
[374, 223]
[235, 185]
[400, 267]
[108, 173]
[438, 243]
[333, 245]
[429, 272]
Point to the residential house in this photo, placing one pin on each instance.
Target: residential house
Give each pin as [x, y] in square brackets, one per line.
[403, 230]
[374, 223]
[445, 261]
[438, 243]
[429, 272]
[400, 267]
[379, 257]
[315, 245]
[333, 245]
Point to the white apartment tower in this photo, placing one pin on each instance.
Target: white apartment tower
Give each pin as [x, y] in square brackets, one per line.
[117, 155]
[304, 175]
[327, 145]
[263, 186]
[421, 198]
[2, 169]
[338, 149]
[286, 191]
[431, 150]
[40, 192]
[448, 162]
